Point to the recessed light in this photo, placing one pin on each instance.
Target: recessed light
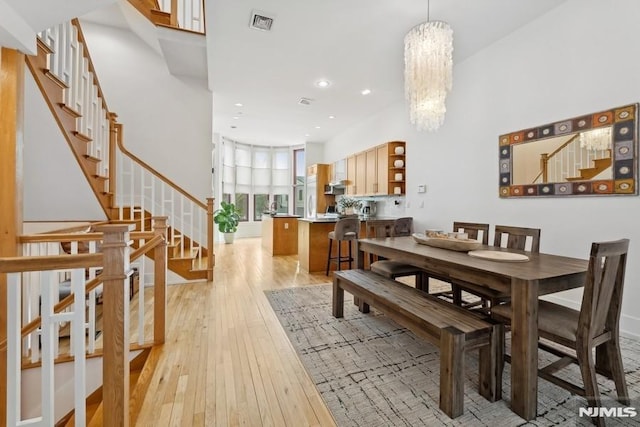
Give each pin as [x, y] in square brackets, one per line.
[332, 117]
[317, 127]
[236, 117]
[366, 91]
[238, 104]
[323, 83]
[307, 134]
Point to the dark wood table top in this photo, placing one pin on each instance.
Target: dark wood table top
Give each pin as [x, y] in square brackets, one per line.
[539, 267]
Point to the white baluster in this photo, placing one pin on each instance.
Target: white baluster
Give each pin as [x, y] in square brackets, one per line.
[48, 357]
[78, 348]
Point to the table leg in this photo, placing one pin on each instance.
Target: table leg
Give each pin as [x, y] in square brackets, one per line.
[364, 308]
[524, 348]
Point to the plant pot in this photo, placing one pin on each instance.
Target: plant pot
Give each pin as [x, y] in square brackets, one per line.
[228, 237]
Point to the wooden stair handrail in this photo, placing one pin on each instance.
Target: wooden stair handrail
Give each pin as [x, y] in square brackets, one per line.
[80, 237]
[557, 150]
[545, 157]
[50, 262]
[8, 265]
[85, 53]
[153, 171]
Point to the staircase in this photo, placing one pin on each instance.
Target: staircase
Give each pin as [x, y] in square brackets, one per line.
[127, 188]
[599, 165]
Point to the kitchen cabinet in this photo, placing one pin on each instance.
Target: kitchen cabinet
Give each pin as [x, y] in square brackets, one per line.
[317, 178]
[361, 173]
[339, 170]
[376, 171]
[351, 175]
[280, 234]
[371, 171]
[397, 162]
[382, 170]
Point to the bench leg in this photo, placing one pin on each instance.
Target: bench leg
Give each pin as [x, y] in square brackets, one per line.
[338, 298]
[491, 365]
[452, 371]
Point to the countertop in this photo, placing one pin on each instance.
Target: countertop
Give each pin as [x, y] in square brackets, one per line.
[368, 219]
[280, 215]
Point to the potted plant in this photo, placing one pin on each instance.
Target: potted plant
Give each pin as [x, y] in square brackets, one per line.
[349, 205]
[227, 218]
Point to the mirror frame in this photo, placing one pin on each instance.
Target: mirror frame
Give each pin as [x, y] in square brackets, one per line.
[624, 123]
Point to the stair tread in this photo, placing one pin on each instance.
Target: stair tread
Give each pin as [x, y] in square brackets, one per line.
[55, 78]
[82, 136]
[68, 109]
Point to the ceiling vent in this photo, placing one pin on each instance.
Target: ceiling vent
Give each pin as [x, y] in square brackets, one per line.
[260, 21]
[305, 101]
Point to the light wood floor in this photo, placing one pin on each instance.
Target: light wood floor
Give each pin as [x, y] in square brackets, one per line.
[227, 361]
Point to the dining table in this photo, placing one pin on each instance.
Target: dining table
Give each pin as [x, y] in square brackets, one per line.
[522, 282]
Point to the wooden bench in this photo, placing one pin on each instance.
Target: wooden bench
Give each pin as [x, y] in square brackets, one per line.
[453, 329]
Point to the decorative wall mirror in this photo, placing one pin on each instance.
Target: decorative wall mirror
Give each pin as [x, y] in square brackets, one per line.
[595, 154]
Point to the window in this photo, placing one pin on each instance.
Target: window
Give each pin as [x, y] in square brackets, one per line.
[260, 205]
[261, 178]
[242, 203]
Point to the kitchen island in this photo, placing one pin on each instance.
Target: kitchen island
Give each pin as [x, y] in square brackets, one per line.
[313, 240]
[280, 234]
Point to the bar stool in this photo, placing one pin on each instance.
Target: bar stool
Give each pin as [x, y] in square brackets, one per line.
[394, 269]
[346, 229]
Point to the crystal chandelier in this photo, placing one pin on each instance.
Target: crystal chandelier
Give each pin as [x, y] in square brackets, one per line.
[596, 139]
[428, 69]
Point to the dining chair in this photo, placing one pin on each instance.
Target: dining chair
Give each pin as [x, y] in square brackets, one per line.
[475, 231]
[596, 325]
[346, 229]
[508, 237]
[393, 269]
[524, 239]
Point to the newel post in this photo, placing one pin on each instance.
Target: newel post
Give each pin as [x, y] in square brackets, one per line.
[115, 312]
[160, 280]
[113, 142]
[11, 174]
[544, 165]
[211, 257]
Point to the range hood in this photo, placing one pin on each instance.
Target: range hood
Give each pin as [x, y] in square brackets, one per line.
[338, 184]
[335, 188]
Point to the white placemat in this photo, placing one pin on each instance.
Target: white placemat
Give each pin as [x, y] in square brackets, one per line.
[499, 256]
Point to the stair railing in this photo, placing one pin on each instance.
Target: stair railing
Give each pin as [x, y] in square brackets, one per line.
[57, 244]
[70, 66]
[137, 187]
[115, 262]
[566, 161]
[185, 14]
[142, 191]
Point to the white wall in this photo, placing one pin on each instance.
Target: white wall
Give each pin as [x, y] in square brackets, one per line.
[54, 187]
[579, 58]
[167, 120]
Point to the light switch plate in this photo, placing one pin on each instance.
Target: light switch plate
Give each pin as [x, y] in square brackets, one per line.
[422, 188]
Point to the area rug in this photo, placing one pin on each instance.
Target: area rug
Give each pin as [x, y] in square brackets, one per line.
[372, 372]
